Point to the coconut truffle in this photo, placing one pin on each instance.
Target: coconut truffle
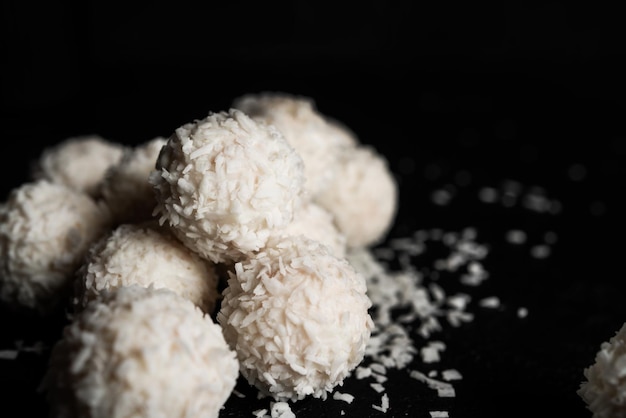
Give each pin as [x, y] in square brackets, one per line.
[79, 162]
[306, 129]
[45, 231]
[140, 352]
[315, 222]
[297, 317]
[363, 198]
[146, 254]
[604, 388]
[223, 183]
[125, 188]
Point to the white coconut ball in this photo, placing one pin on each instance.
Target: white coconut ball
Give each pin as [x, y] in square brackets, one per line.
[223, 183]
[363, 197]
[297, 317]
[79, 162]
[306, 129]
[315, 222]
[125, 188]
[140, 352]
[45, 231]
[146, 254]
[604, 387]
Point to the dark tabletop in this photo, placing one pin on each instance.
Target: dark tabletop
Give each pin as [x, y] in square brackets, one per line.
[505, 125]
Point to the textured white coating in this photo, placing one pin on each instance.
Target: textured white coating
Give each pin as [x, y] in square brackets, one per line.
[604, 387]
[45, 231]
[79, 162]
[146, 254]
[223, 183]
[297, 317]
[140, 352]
[363, 197]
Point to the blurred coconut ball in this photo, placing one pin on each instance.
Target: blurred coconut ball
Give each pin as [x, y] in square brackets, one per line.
[313, 221]
[316, 138]
[363, 196]
[604, 387]
[297, 317]
[146, 254]
[79, 162]
[45, 231]
[224, 182]
[140, 352]
[125, 188]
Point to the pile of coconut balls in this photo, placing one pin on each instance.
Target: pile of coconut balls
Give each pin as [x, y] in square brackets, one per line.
[214, 253]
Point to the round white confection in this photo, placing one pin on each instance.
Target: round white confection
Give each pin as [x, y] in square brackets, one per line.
[225, 182]
[298, 318]
[363, 197]
[125, 187]
[140, 352]
[604, 387]
[45, 231]
[306, 129]
[79, 162]
[315, 222]
[146, 254]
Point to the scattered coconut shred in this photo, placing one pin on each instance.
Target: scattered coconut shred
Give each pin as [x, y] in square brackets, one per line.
[390, 307]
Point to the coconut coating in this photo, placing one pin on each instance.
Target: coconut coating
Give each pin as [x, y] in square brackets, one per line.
[604, 387]
[315, 222]
[306, 129]
[298, 318]
[146, 254]
[125, 188]
[45, 231]
[223, 183]
[363, 198]
[79, 162]
[140, 352]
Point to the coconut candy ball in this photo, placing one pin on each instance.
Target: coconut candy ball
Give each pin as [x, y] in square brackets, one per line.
[223, 183]
[140, 352]
[125, 188]
[79, 162]
[363, 197]
[297, 317]
[146, 254]
[304, 127]
[45, 231]
[604, 387]
[315, 222]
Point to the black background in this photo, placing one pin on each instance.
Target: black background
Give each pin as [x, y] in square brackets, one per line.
[516, 91]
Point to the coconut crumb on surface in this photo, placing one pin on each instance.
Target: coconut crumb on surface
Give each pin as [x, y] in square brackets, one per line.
[8, 354]
[540, 251]
[346, 397]
[490, 302]
[451, 374]
[516, 236]
[522, 312]
[281, 410]
[260, 413]
[377, 387]
[444, 389]
[384, 404]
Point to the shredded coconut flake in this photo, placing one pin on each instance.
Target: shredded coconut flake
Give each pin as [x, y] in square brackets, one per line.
[346, 397]
[384, 404]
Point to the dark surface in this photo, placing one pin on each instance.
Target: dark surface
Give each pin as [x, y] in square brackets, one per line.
[525, 96]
